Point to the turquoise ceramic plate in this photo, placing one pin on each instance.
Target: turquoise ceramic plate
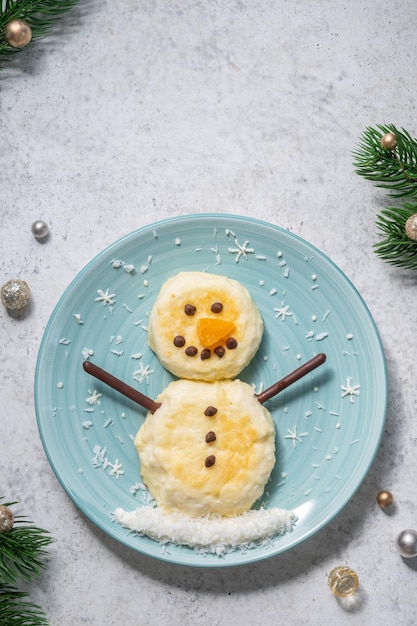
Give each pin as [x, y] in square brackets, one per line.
[329, 425]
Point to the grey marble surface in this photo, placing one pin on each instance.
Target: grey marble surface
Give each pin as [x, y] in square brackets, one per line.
[132, 112]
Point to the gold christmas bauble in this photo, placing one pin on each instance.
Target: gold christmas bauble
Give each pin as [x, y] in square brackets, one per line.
[17, 33]
[389, 141]
[411, 227]
[385, 499]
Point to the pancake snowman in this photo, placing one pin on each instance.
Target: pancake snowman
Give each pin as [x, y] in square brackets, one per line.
[207, 445]
[210, 447]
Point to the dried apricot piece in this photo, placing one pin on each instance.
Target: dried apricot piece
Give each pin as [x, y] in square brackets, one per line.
[211, 331]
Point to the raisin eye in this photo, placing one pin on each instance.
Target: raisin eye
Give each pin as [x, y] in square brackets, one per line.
[210, 411]
[190, 309]
[216, 307]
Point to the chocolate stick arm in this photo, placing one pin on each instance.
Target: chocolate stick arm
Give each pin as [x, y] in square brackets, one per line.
[120, 386]
[288, 380]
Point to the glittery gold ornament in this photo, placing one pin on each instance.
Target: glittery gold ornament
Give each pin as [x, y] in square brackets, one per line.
[411, 227]
[15, 294]
[389, 141]
[343, 581]
[17, 33]
[6, 519]
[385, 499]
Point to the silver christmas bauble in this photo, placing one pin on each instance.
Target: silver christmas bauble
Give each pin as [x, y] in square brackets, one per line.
[406, 543]
[40, 230]
[15, 294]
[6, 519]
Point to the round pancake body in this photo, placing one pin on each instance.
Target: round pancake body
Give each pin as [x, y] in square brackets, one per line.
[208, 449]
[204, 326]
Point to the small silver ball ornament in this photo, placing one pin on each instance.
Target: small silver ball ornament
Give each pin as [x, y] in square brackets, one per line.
[406, 543]
[15, 294]
[6, 519]
[40, 230]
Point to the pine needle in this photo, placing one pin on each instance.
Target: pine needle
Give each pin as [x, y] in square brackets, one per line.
[15, 611]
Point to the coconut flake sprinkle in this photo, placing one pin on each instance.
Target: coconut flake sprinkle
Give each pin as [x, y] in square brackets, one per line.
[213, 534]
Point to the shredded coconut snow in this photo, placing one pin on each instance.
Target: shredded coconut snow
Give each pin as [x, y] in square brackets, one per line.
[209, 534]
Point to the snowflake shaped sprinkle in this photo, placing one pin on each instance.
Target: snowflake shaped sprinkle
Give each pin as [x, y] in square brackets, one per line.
[350, 390]
[292, 434]
[283, 312]
[142, 373]
[93, 398]
[116, 469]
[105, 297]
[241, 250]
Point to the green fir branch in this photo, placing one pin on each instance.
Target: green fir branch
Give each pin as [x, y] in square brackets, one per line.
[22, 550]
[39, 14]
[395, 170]
[15, 611]
[396, 248]
[21, 553]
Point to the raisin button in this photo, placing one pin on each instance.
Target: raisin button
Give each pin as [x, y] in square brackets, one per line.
[210, 460]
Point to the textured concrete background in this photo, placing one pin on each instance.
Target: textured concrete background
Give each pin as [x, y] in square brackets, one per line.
[131, 112]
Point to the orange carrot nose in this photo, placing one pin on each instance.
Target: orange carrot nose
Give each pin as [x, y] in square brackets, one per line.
[211, 331]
